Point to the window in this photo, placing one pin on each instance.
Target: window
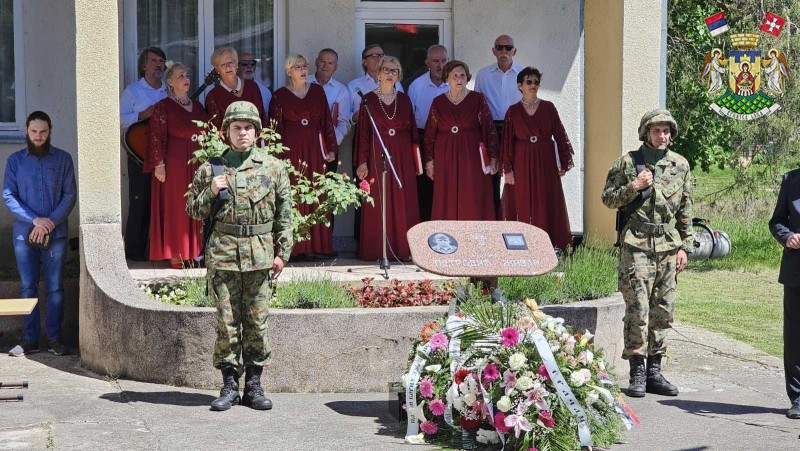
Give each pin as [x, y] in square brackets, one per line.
[12, 89]
[405, 29]
[189, 30]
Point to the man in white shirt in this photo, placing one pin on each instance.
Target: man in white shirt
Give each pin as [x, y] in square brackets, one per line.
[247, 71]
[422, 92]
[138, 102]
[370, 60]
[336, 92]
[498, 84]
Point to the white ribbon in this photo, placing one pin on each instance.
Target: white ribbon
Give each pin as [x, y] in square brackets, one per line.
[411, 392]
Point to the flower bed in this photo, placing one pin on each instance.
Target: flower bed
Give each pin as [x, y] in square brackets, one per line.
[497, 375]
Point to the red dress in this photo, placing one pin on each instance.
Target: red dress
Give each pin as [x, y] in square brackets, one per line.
[173, 234]
[461, 190]
[400, 135]
[219, 98]
[536, 196]
[300, 122]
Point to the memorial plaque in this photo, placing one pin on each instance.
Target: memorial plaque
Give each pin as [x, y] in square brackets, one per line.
[481, 248]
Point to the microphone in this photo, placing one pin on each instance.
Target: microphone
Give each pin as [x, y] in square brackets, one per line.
[361, 94]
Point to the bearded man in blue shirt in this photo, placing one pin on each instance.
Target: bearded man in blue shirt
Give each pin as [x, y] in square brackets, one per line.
[39, 190]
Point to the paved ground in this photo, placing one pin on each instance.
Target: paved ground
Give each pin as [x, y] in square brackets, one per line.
[732, 398]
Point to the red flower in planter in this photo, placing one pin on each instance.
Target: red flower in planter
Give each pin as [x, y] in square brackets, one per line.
[469, 424]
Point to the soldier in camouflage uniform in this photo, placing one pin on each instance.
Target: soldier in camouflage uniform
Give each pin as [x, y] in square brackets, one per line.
[653, 247]
[250, 242]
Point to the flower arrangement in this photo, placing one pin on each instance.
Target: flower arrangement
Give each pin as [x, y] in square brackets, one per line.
[402, 294]
[495, 376]
[329, 193]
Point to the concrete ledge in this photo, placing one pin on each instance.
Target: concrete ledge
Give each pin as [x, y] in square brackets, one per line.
[125, 334]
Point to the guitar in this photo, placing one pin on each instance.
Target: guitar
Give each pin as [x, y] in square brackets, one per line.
[136, 136]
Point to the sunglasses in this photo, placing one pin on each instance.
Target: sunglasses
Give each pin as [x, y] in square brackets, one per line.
[247, 63]
[387, 71]
[375, 56]
[507, 47]
[532, 81]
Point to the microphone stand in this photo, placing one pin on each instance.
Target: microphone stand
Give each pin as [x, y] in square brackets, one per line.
[386, 160]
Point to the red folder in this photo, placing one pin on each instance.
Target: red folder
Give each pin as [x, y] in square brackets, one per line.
[486, 164]
[418, 159]
[322, 147]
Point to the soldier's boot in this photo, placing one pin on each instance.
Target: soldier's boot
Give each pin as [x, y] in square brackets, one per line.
[656, 382]
[253, 393]
[229, 394]
[636, 384]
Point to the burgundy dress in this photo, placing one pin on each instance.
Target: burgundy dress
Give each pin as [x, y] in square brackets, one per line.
[219, 98]
[300, 123]
[173, 234]
[536, 196]
[453, 133]
[400, 135]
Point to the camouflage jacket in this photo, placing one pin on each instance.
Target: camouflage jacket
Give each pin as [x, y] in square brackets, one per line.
[670, 203]
[259, 194]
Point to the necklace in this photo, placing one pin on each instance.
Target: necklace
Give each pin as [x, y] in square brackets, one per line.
[530, 105]
[186, 102]
[392, 98]
[457, 100]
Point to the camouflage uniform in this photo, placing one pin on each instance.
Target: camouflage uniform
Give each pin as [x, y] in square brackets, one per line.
[251, 225]
[649, 247]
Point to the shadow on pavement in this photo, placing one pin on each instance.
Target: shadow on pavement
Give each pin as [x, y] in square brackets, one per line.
[66, 363]
[174, 398]
[379, 410]
[721, 408]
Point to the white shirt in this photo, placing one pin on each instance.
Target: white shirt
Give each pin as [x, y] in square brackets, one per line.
[266, 95]
[136, 98]
[337, 94]
[366, 84]
[499, 88]
[422, 92]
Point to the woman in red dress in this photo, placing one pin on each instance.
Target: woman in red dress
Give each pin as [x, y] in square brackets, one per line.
[174, 235]
[231, 88]
[461, 150]
[533, 191]
[303, 119]
[394, 117]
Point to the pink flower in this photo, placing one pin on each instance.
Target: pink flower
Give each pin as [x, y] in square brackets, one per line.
[546, 418]
[437, 407]
[510, 336]
[364, 185]
[429, 427]
[509, 381]
[533, 449]
[426, 388]
[543, 372]
[500, 422]
[490, 373]
[518, 421]
[438, 341]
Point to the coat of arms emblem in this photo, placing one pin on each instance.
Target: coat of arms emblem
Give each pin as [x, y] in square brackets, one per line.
[753, 79]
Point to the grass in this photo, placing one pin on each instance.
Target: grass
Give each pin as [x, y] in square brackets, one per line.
[312, 293]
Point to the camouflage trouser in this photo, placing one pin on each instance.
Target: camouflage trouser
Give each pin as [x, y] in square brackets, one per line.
[647, 282]
[242, 300]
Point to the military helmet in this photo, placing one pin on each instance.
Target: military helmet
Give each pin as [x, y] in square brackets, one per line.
[657, 116]
[241, 111]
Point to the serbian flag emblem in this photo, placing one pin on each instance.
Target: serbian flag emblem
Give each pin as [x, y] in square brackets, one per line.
[717, 24]
[772, 24]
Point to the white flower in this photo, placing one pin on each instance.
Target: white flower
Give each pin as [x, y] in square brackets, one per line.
[592, 397]
[433, 368]
[469, 399]
[577, 378]
[586, 357]
[455, 400]
[586, 337]
[524, 383]
[516, 361]
[488, 437]
[405, 380]
[607, 396]
[418, 439]
[601, 364]
[504, 404]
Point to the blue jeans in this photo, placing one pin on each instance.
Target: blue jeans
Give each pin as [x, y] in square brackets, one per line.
[29, 262]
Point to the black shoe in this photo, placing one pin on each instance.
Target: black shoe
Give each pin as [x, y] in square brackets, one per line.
[58, 348]
[656, 382]
[794, 411]
[23, 348]
[229, 394]
[637, 382]
[253, 393]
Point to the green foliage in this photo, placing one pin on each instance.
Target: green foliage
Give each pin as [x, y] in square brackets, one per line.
[189, 291]
[326, 194]
[589, 272]
[311, 293]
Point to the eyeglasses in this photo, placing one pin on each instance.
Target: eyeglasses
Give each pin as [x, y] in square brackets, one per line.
[506, 47]
[247, 63]
[184, 75]
[375, 56]
[227, 65]
[387, 71]
[300, 67]
[532, 81]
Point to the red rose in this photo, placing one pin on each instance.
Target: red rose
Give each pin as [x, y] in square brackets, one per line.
[469, 425]
[546, 418]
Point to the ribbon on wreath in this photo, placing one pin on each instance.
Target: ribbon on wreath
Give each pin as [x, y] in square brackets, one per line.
[413, 410]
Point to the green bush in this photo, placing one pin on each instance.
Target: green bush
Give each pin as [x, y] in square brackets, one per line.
[311, 293]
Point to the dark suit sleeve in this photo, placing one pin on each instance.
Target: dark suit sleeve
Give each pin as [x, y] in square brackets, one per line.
[779, 224]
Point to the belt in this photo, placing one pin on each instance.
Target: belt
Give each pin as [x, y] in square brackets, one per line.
[650, 228]
[243, 229]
